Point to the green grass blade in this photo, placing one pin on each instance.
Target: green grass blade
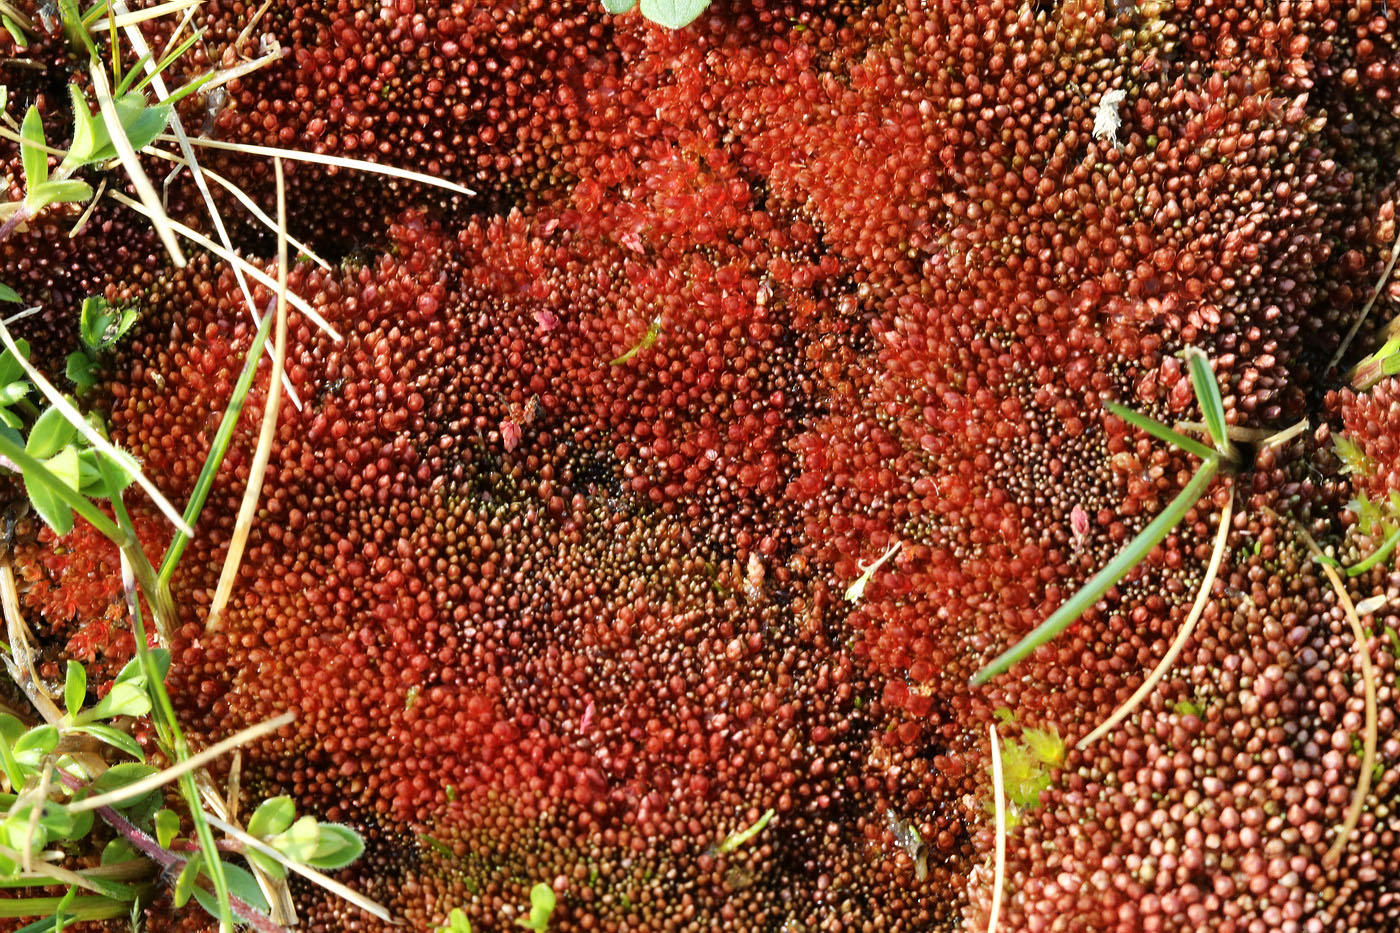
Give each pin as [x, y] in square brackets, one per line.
[1160, 431]
[170, 58]
[217, 449]
[1208, 396]
[124, 84]
[1128, 558]
[162, 710]
[82, 907]
[1378, 555]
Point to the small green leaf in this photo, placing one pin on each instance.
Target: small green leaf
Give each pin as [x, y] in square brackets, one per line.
[142, 811]
[33, 158]
[124, 699]
[9, 294]
[47, 501]
[241, 885]
[16, 33]
[144, 125]
[118, 776]
[74, 688]
[457, 922]
[167, 827]
[10, 368]
[133, 673]
[185, 884]
[299, 841]
[618, 6]
[92, 139]
[36, 743]
[69, 191]
[336, 847]
[79, 371]
[542, 904]
[1046, 745]
[93, 318]
[673, 14]
[64, 466]
[118, 851]
[13, 392]
[89, 134]
[269, 865]
[51, 431]
[96, 482]
[271, 817]
[12, 729]
[1208, 396]
[66, 825]
[113, 737]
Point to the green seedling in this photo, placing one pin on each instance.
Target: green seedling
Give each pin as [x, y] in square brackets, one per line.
[457, 922]
[542, 903]
[648, 339]
[1213, 459]
[736, 839]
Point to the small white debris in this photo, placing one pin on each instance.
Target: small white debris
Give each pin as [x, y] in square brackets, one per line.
[1371, 604]
[1106, 120]
[857, 589]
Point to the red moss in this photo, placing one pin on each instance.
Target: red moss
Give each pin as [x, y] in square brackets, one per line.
[550, 561]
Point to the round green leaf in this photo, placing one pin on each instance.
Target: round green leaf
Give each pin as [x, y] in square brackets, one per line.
[673, 14]
[272, 816]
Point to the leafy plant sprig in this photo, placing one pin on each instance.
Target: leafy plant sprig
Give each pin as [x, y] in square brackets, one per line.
[100, 326]
[1221, 455]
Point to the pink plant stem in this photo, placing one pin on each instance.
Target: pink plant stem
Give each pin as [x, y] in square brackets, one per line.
[18, 217]
[167, 859]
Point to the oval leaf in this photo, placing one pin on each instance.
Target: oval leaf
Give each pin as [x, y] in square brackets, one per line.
[673, 14]
[241, 885]
[10, 368]
[48, 503]
[32, 156]
[48, 436]
[36, 743]
[337, 847]
[272, 816]
[113, 737]
[167, 827]
[124, 699]
[74, 688]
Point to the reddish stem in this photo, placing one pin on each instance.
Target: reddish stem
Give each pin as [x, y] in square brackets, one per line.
[22, 215]
[167, 859]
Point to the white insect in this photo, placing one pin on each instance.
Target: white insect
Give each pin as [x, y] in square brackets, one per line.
[1106, 120]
